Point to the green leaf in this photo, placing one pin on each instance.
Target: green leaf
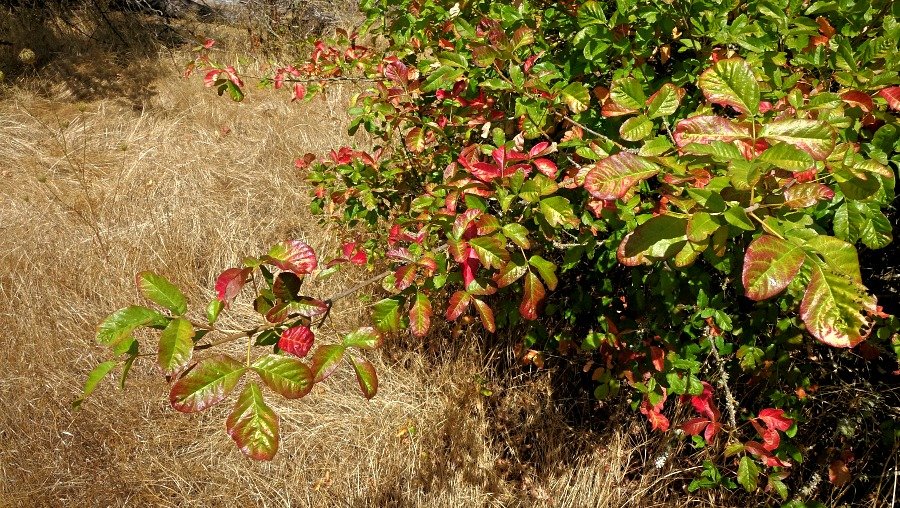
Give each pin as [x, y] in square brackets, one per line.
[160, 291]
[720, 151]
[116, 329]
[661, 237]
[490, 251]
[785, 156]
[770, 264]
[737, 217]
[93, 379]
[665, 101]
[832, 307]
[364, 337]
[636, 128]
[707, 129]
[365, 376]
[814, 137]
[386, 315]
[253, 425]
[517, 234]
[700, 226]
[748, 474]
[536, 187]
[614, 176]
[213, 310]
[576, 97]
[731, 82]
[628, 93]
[420, 315]
[558, 212]
[325, 360]
[442, 77]
[546, 269]
[207, 384]
[285, 375]
[176, 345]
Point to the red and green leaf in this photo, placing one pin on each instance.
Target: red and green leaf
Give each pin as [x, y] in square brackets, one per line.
[770, 264]
[207, 384]
[659, 238]
[490, 251]
[420, 315]
[706, 129]
[253, 425]
[458, 304]
[365, 376]
[814, 137]
[614, 176]
[532, 296]
[731, 82]
[486, 315]
[286, 376]
[325, 360]
[293, 256]
[832, 307]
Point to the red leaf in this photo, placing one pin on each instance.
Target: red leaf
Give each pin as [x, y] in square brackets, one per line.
[768, 459]
[299, 92]
[892, 96]
[695, 426]
[546, 166]
[711, 430]
[293, 256]
[703, 403]
[654, 414]
[858, 99]
[775, 419]
[297, 341]
[838, 473]
[230, 282]
[658, 358]
[459, 302]
[532, 296]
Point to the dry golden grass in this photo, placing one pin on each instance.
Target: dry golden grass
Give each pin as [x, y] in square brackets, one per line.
[185, 183]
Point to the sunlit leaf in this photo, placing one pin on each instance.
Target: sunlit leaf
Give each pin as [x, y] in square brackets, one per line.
[286, 376]
[576, 97]
[814, 137]
[770, 264]
[386, 315]
[490, 250]
[532, 296]
[661, 237]
[706, 129]
[117, 328]
[517, 234]
[297, 340]
[486, 315]
[458, 304]
[832, 307]
[207, 384]
[364, 337]
[665, 101]
[420, 315]
[614, 176]
[253, 425]
[230, 282]
[293, 256]
[160, 291]
[628, 94]
[511, 271]
[176, 345]
[731, 82]
[325, 360]
[365, 376]
[636, 128]
[546, 269]
[558, 212]
[93, 379]
[748, 474]
[785, 156]
[803, 195]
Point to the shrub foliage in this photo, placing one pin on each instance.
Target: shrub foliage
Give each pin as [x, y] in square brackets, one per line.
[671, 192]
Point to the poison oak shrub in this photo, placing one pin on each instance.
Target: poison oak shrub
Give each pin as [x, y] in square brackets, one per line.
[670, 192]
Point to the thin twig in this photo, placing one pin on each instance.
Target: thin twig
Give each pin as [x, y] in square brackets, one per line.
[723, 382]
